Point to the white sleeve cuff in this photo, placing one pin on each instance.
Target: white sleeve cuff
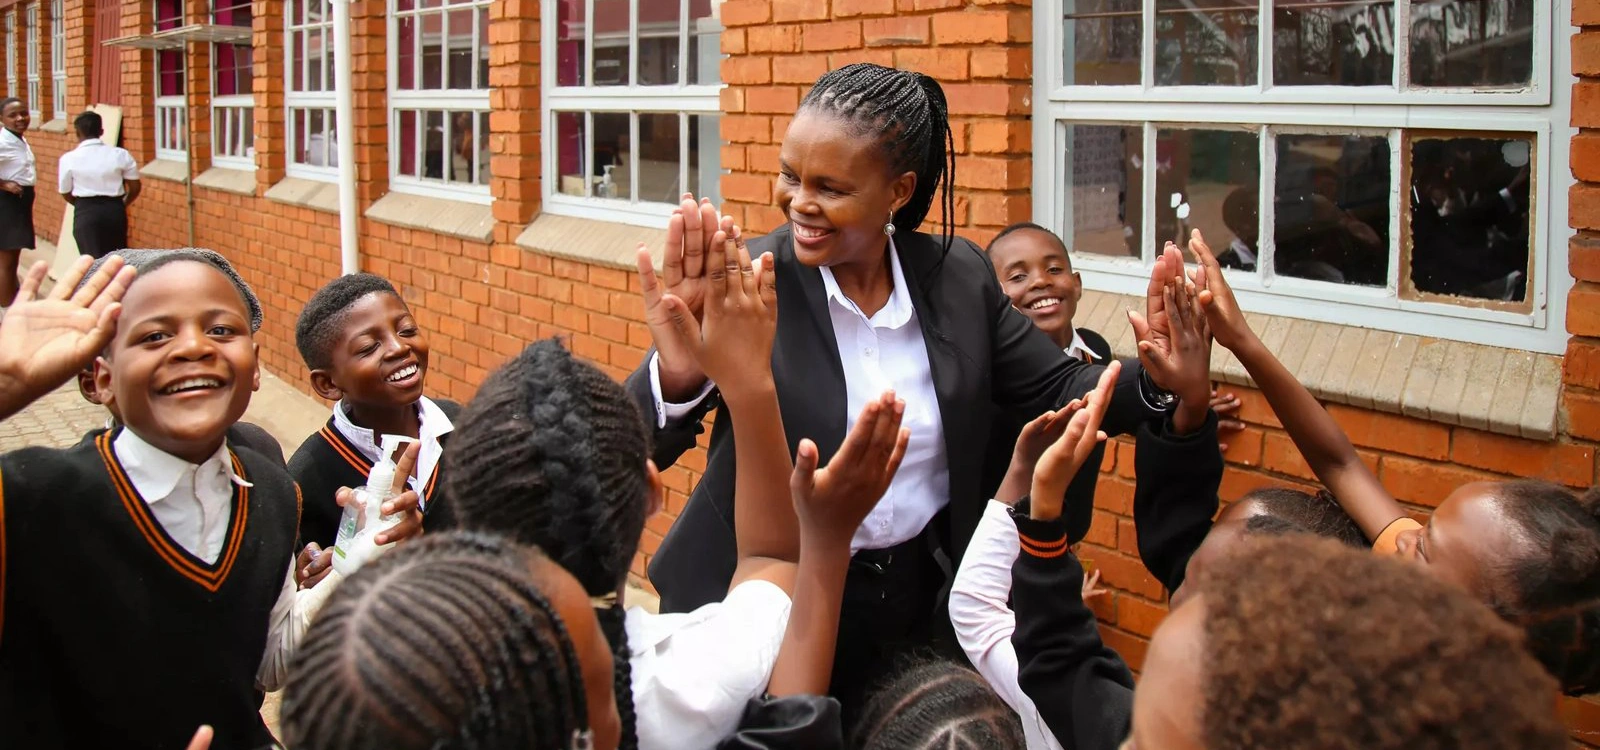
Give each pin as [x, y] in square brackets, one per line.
[666, 412]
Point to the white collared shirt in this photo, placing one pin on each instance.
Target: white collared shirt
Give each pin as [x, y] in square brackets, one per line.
[194, 504]
[1079, 349]
[983, 619]
[433, 425]
[95, 170]
[878, 353]
[693, 672]
[16, 160]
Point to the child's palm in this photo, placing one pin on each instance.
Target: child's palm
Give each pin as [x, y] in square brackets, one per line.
[741, 318]
[1062, 460]
[839, 496]
[44, 341]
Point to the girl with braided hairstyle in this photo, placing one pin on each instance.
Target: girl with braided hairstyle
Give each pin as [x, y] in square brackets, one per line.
[458, 641]
[866, 303]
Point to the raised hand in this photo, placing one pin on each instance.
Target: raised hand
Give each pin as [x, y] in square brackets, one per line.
[691, 234]
[202, 738]
[1227, 321]
[676, 298]
[1154, 326]
[734, 346]
[1185, 366]
[44, 342]
[831, 502]
[1061, 461]
[406, 501]
[1226, 405]
[1035, 437]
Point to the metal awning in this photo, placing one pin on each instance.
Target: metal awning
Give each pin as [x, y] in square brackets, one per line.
[205, 33]
[144, 41]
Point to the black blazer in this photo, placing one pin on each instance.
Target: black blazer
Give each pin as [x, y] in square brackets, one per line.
[983, 354]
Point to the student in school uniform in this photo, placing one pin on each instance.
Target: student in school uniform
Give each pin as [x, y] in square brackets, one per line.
[18, 172]
[366, 353]
[100, 180]
[149, 572]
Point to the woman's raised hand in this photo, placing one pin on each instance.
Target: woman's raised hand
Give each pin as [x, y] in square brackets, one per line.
[678, 294]
[740, 320]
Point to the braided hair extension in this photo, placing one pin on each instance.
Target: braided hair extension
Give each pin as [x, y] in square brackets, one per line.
[553, 452]
[908, 112]
[937, 704]
[446, 643]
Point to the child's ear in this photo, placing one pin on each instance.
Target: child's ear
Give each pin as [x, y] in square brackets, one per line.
[657, 489]
[322, 383]
[102, 383]
[255, 378]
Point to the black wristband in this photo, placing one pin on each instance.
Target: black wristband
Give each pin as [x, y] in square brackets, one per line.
[1155, 397]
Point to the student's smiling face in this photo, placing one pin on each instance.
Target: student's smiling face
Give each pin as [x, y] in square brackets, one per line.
[1037, 276]
[15, 117]
[182, 365]
[380, 356]
[1468, 529]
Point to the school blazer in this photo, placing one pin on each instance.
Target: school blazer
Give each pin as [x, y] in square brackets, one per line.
[984, 356]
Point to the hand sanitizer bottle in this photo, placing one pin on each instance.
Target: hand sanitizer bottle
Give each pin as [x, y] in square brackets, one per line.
[363, 517]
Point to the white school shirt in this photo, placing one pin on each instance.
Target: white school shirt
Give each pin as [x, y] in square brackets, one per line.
[433, 425]
[693, 672]
[1079, 349]
[16, 160]
[194, 504]
[984, 621]
[95, 170]
[880, 352]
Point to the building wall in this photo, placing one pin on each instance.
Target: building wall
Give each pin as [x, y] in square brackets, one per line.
[482, 301]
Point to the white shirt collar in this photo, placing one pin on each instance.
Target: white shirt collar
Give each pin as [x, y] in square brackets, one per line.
[91, 142]
[5, 133]
[1243, 251]
[895, 313]
[1079, 349]
[433, 424]
[155, 473]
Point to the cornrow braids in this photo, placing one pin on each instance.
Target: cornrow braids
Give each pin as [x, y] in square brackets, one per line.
[937, 704]
[553, 452]
[910, 115]
[446, 643]
[1317, 513]
[1551, 589]
[322, 319]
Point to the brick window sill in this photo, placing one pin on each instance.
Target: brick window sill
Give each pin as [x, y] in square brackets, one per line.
[58, 125]
[1506, 391]
[601, 243]
[165, 169]
[236, 181]
[316, 195]
[469, 221]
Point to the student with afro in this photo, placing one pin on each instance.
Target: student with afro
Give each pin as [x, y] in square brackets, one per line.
[367, 354]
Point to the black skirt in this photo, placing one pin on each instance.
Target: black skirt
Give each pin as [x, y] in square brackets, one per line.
[100, 226]
[16, 220]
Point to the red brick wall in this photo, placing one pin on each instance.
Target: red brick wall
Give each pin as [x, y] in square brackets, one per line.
[482, 301]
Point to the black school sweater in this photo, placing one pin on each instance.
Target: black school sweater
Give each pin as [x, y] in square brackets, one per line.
[327, 461]
[1082, 688]
[1174, 495]
[113, 635]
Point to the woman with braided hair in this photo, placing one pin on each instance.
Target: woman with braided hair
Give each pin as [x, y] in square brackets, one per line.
[458, 641]
[866, 303]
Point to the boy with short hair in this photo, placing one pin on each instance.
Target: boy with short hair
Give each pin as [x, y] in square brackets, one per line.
[146, 575]
[367, 353]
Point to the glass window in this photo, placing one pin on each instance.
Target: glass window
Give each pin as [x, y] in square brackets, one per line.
[308, 91]
[172, 109]
[32, 21]
[1372, 161]
[58, 61]
[13, 86]
[232, 93]
[439, 96]
[633, 105]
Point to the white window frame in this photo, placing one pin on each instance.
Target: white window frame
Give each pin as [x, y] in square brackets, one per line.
[298, 103]
[31, 25]
[58, 59]
[228, 115]
[685, 99]
[420, 100]
[172, 112]
[1539, 111]
[13, 87]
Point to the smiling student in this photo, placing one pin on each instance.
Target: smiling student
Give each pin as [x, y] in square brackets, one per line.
[367, 353]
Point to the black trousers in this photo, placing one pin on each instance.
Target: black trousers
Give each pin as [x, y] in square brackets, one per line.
[896, 612]
[100, 225]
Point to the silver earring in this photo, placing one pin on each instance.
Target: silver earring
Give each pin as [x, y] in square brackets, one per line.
[888, 228]
[582, 739]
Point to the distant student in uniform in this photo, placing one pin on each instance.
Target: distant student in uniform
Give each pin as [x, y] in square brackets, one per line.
[366, 352]
[18, 171]
[101, 181]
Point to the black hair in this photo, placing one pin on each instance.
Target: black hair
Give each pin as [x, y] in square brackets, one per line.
[322, 319]
[444, 643]
[89, 125]
[147, 262]
[1552, 585]
[553, 452]
[10, 100]
[1318, 513]
[907, 110]
[1273, 526]
[1026, 226]
[937, 704]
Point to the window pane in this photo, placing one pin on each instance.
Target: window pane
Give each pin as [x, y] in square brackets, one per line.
[611, 59]
[705, 45]
[1105, 173]
[431, 39]
[1332, 209]
[1196, 172]
[482, 48]
[570, 65]
[483, 148]
[1330, 43]
[1206, 42]
[169, 72]
[408, 139]
[297, 61]
[406, 55]
[705, 158]
[659, 42]
[458, 46]
[658, 157]
[612, 150]
[570, 153]
[1469, 216]
[1483, 43]
[433, 145]
[1104, 38]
